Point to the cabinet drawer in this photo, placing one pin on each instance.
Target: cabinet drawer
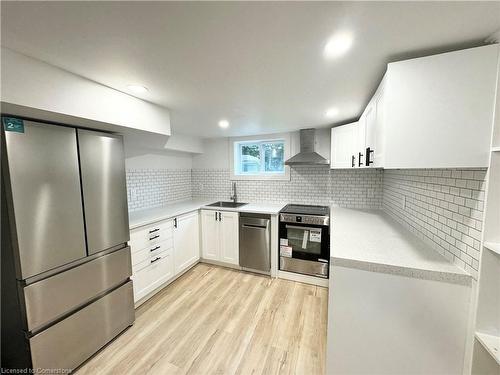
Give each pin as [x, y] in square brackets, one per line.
[150, 261]
[153, 275]
[151, 252]
[142, 238]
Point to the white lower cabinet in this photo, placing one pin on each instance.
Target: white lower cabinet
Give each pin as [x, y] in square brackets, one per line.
[219, 236]
[186, 241]
[229, 244]
[153, 274]
[209, 235]
[162, 251]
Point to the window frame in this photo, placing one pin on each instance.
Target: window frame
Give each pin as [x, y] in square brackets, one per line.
[262, 175]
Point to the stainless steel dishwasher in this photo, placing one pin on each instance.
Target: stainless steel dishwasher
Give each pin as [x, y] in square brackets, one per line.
[255, 242]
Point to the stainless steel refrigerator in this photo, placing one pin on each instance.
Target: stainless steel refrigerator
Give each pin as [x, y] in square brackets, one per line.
[66, 288]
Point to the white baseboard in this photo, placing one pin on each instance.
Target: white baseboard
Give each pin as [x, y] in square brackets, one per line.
[222, 264]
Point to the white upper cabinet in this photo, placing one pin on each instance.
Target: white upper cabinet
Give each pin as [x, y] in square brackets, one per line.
[374, 145]
[438, 110]
[430, 112]
[344, 148]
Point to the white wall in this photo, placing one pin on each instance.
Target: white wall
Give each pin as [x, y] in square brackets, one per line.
[215, 155]
[185, 143]
[165, 160]
[31, 83]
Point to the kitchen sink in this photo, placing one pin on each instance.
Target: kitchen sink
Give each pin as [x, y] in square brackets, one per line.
[226, 204]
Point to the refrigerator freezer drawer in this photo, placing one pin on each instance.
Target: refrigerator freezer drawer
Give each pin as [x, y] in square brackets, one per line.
[73, 340]
[48, 299]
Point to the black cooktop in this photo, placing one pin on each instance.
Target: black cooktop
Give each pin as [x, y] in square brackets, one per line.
[306, 209]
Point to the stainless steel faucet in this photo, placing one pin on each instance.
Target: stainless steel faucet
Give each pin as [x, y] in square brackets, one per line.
[234, 196]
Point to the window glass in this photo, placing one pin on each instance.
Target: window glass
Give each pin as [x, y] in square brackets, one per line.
[259, 157]
[273, 156]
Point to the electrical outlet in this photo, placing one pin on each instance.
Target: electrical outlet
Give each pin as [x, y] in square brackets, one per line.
[403, 202]
[200, 187]
[371, 193]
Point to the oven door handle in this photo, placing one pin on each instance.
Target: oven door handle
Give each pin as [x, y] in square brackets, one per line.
[304, 228]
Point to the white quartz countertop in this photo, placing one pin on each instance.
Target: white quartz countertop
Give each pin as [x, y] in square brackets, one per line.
[261, 208]
[151, 215]
[372, 240]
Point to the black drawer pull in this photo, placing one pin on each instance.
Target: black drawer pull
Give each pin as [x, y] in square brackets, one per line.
[155, 248]
[353, 161]
[154, 237]
[154, 230]
[155, 259]
[360, 163]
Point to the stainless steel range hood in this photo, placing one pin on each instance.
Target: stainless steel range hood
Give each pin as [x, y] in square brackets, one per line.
[307, 155]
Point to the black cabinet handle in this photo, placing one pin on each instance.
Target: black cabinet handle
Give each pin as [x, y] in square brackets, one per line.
[220, 216]
[216, 216]
[152, 238]
[359, 159]
[353, 161]
[154, 248]
[155, 259]
[369, 153]
[154, 230]
[175, 223]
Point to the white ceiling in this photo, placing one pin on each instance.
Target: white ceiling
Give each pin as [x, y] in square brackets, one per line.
[257, 64]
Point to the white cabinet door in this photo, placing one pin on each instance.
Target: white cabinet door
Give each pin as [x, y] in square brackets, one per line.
[378, 155]
[439, 109]
[361, 141]
[229, 244]
[209, 235]
[344, 142]
[370, 132]
[158, 271]
[186, 241]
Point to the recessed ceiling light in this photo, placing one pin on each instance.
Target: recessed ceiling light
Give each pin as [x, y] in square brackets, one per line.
[331, 112]
[223, 124]
[338, 45]
[137, 89]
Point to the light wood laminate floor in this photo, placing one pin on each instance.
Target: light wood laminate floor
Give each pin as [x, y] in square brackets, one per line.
[215, 320]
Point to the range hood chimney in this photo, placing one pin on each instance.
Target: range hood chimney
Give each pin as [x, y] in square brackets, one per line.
[307, 155]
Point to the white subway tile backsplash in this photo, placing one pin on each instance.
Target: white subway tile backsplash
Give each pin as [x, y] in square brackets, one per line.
[443, 207]
[308, 185]
[156, 187]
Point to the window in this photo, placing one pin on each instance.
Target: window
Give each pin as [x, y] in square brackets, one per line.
[260, 159]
